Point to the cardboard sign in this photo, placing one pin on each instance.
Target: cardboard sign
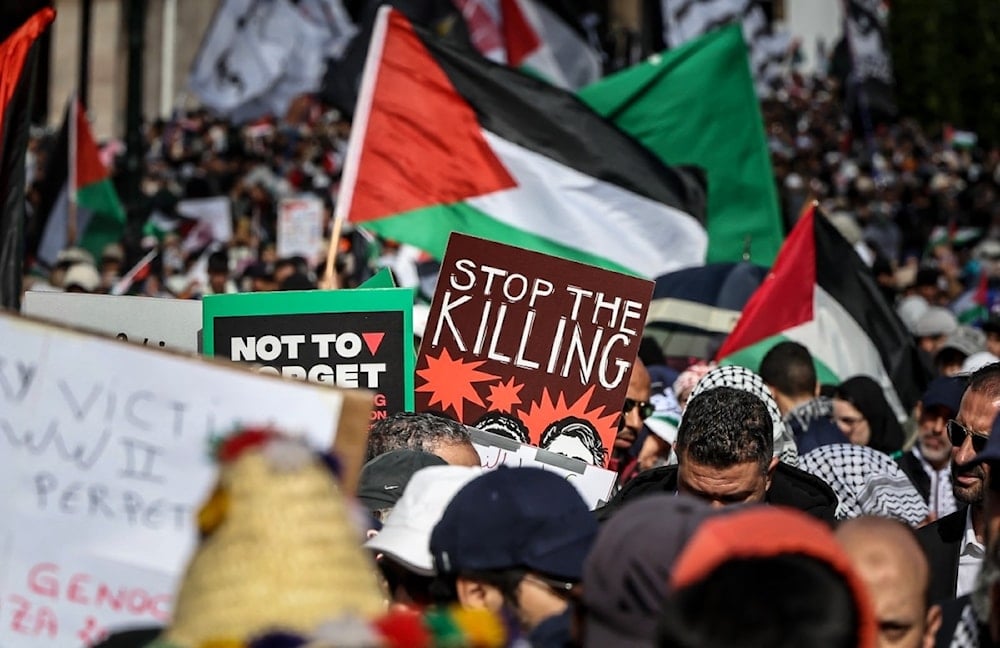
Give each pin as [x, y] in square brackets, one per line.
[348, 338]
[381, 279]
[166, 323]
[530, 346]
[300, 229]
[104, 462]
[593, 483]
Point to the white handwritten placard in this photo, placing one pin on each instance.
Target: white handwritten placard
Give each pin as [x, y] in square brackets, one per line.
[593, 483]
[104, 461]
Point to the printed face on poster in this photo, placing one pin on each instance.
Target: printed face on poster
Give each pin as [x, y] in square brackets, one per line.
[346, 338]
[532, 347]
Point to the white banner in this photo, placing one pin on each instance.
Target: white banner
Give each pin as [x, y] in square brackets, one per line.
[259, 55]
[104, 461]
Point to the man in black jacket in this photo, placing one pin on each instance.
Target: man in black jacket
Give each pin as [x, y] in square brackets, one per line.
[725, 456]
[955, 544]
[928, 463]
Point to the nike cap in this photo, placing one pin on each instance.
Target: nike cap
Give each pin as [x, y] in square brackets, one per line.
[384, 478]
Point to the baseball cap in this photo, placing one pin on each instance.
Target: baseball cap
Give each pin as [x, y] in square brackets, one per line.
[935, 321]
[977, 361]
[965, 339]
[82, 275]
[945, 391]
[515, 518]
[384, 478]
[406, 533]
[625, 575]
[992, 323]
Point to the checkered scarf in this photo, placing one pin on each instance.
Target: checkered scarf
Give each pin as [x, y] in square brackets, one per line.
[745, 380]
[867, 482]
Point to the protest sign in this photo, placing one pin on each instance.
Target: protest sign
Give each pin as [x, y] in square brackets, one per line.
[593, 483]
[169, 323]
[104, 462]
[348, 338]
[300, 229]
[531, 346]
[381, 279]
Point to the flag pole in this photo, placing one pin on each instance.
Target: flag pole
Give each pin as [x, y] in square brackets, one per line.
[354, 142]
[331, 280]
[71, 220]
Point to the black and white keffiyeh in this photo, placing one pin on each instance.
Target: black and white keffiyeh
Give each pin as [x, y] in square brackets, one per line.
[743, 379]
[866, 481]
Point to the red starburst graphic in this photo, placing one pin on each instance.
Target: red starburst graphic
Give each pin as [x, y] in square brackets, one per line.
[504, 397]
[546, 410]
[450, 382]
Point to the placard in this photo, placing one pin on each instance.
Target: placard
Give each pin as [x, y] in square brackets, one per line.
[300, 229]
[593, 483]
[348, 338]
[531, 346]
[165, 323]
[104, 461]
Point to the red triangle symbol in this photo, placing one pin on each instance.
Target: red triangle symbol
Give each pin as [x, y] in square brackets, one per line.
[422, 143]
[373, 341]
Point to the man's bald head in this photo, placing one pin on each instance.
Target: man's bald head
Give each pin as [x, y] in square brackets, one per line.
[889, 560]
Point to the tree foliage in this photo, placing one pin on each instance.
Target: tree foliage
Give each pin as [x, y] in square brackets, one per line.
[946, 55]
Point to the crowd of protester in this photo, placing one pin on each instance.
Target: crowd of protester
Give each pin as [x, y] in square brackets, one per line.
[882, 526]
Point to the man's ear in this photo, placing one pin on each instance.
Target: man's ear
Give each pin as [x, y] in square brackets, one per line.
[770, 471]
[931, 626]
[471, 593]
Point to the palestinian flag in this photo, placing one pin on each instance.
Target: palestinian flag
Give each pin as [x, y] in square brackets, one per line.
[539, 41]
[19, 54]
[447, 141]
[822, 295]
[79, 203]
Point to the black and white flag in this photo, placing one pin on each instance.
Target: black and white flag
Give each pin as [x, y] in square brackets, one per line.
[871, 80]
[258, 55]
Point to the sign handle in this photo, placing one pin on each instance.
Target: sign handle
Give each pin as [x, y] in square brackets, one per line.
[330, 280]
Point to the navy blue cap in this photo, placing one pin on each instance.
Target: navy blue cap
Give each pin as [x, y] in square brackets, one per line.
[512, 518]
[991, 452]
[945, 391]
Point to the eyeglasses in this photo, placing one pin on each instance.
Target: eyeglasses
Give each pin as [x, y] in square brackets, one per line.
[646, 408]
[958, 432]
[560, 588]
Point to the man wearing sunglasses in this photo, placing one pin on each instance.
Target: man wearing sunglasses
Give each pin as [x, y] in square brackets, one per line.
[636, 409]
[954, 544]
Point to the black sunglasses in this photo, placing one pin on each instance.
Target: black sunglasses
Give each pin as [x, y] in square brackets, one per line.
[646, 408]
[958, 432]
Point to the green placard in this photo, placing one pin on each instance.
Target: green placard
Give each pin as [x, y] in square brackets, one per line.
[361, 338]
[381, 279]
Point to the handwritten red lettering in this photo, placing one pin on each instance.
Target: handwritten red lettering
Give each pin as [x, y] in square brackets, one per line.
[42, 580]
[85, 589]
[23, 622]
[20, 616]
[76, 589]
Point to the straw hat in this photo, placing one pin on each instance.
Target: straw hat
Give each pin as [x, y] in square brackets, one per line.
[278, 552]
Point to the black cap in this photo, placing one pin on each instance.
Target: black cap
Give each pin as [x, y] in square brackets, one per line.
[384, 478]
